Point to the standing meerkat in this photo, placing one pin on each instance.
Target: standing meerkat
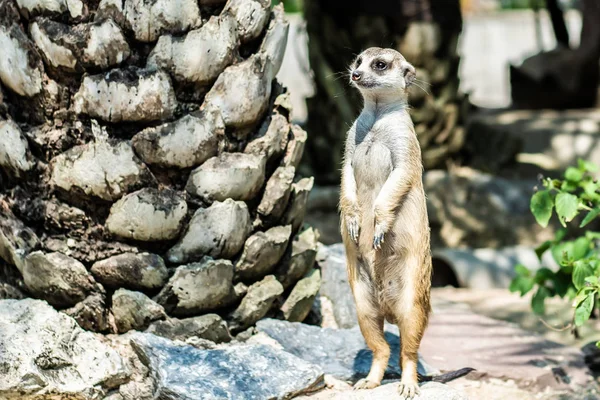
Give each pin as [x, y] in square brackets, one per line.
[384, 222]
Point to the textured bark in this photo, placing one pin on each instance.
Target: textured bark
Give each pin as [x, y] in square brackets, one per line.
[138, 139]
[425, 32]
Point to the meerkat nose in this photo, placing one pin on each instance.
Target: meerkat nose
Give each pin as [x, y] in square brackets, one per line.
[356, 75]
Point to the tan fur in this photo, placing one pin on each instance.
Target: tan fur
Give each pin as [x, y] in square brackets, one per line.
[382, 197]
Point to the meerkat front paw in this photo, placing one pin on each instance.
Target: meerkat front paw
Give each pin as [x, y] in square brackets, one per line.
[408, 391]
[352, 224]
[379, 236]
[365, 384]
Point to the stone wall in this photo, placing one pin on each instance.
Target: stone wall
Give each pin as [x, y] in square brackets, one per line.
[148, 165]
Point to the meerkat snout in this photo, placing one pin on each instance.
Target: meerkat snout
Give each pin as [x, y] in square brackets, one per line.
[377, 69]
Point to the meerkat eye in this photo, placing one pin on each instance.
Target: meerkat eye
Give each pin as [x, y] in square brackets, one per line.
[358, 62]
[380, 65]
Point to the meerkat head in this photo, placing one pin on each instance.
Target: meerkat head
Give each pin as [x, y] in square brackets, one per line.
[382, 71]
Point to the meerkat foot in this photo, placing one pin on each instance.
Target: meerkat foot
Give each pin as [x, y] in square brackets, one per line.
[379, 237]
[365, 384]
[353, 227]
[408, 390]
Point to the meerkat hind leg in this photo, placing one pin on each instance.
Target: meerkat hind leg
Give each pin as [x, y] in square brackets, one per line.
[370, 320]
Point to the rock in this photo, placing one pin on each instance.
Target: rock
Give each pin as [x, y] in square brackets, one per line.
[240, 289]
[99, 169]
[256, 303]
[297, 208]
[218, 231]
[420, 42]
[98, 44]
[134, 310]
[15, 156]
[300, 301]
[91, 314]
[198, 287]
[295, 147]
[242, 92]
[126, 95]
[40, 344]
[271, 139]
[469, 208]
[275, 41]
[210, 327]
[142, 271]
[251, 17]
[148, 19]
[335, 286]
[236, 176]
[277, 193]
[262, 252]
[342, 353]
[245, 372]
[149, 215]
[184, 143]
[427, 391]
[60, 280]
[21, 67]
[76, 9]
[200, 56]
[16, 239]
[300, 258]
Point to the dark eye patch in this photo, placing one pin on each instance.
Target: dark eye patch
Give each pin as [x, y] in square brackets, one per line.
[379, 65]
[358, 62]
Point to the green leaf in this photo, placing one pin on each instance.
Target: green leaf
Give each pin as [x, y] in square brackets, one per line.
[562, 283]
[522, 270]
[560, 234]
[562, 252]
[541, 207]
[590, 188]
[592, 280]
[587, 165]
[590, 217]
[584, 309]
[537, 301]
[581, 247]
[581, 295]
[541, 249]
[521, 284]
[591, 235]
[581, 271]
[542, 275]
[573, 174]
[566, 207]
[568, 186]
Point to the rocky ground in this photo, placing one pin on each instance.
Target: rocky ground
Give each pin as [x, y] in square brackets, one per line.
[46, 353]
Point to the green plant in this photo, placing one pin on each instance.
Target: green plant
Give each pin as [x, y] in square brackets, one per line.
[576, 197]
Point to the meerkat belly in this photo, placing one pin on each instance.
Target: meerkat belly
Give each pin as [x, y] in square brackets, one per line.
[372, 164]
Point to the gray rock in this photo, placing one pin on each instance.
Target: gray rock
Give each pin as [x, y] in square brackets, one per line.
[184, 143]
[201, 55]
[142, 271]
[236, 176]
[210, 327]
[59, 279]
[97, 44]
[295, 147]
[298, 199]
[99, 169]
[218, 231]
[300, 301]
[149, 214]
[15, 156]
[16, 240]
[240, 289]
[21, 67]
[245, 372]
[342, 353]
[134, 310]
[255, 305]
[271, 139]
[91, 314]
[428, 391]
[198, 287]
[74, 9]
[129, 94]
[251, 17]
[277, 194]
[300, 258]
[148, 19]
[242, 92]
[40, 344]
[335, 286]
[262, 252]
[275, 41]
[421, 41]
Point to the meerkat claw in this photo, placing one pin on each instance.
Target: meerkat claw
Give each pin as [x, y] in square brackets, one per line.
[353, 228]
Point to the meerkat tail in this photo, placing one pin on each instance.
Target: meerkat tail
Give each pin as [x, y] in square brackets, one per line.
[447, 377]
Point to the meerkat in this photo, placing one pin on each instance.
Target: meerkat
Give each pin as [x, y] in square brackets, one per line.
[384, 223]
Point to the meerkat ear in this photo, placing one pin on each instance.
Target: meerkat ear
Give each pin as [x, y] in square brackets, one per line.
[409, 73]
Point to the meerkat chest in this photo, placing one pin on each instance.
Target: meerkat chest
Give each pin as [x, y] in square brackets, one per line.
[372, 161]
